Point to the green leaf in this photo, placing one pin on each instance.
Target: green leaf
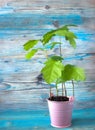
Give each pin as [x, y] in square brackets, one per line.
[53, 44]
[30, 44]
[47, 37]
[65, 27]
[57, 58]
[73, 25]
[72, 42]
[66, 38]
[59, 80]
[52, 70]
[30, 54]
[64, 31]
[61, 32]
[70, 35]
[72, 72]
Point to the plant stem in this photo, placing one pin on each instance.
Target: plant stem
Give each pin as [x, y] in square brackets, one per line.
[65, 90]
[62, 89]
[57, 89]
[61, 55]
[60, 48]
[50, 92]
[73, 87]
[46, 54]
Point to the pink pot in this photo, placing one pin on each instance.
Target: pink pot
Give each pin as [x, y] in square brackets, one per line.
[61, 112]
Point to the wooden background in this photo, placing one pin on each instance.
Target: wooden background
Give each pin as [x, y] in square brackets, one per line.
[22, 101]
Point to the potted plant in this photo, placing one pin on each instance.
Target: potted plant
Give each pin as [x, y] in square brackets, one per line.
[55, 71]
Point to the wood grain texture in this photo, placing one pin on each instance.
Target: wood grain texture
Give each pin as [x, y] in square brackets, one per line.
[22, 100]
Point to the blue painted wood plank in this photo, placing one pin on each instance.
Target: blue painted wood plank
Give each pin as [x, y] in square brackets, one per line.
[22, 101]
[82, 119]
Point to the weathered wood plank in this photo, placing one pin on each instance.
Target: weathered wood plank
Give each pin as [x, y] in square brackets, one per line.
[11, 120]
[22, 100]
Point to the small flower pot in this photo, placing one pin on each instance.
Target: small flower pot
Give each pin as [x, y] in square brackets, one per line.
[61, 112]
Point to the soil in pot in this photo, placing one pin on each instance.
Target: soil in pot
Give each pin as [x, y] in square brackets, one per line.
[58, 98]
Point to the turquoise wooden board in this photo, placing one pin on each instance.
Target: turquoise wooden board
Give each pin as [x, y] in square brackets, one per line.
[39, 119]
[23, 103]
